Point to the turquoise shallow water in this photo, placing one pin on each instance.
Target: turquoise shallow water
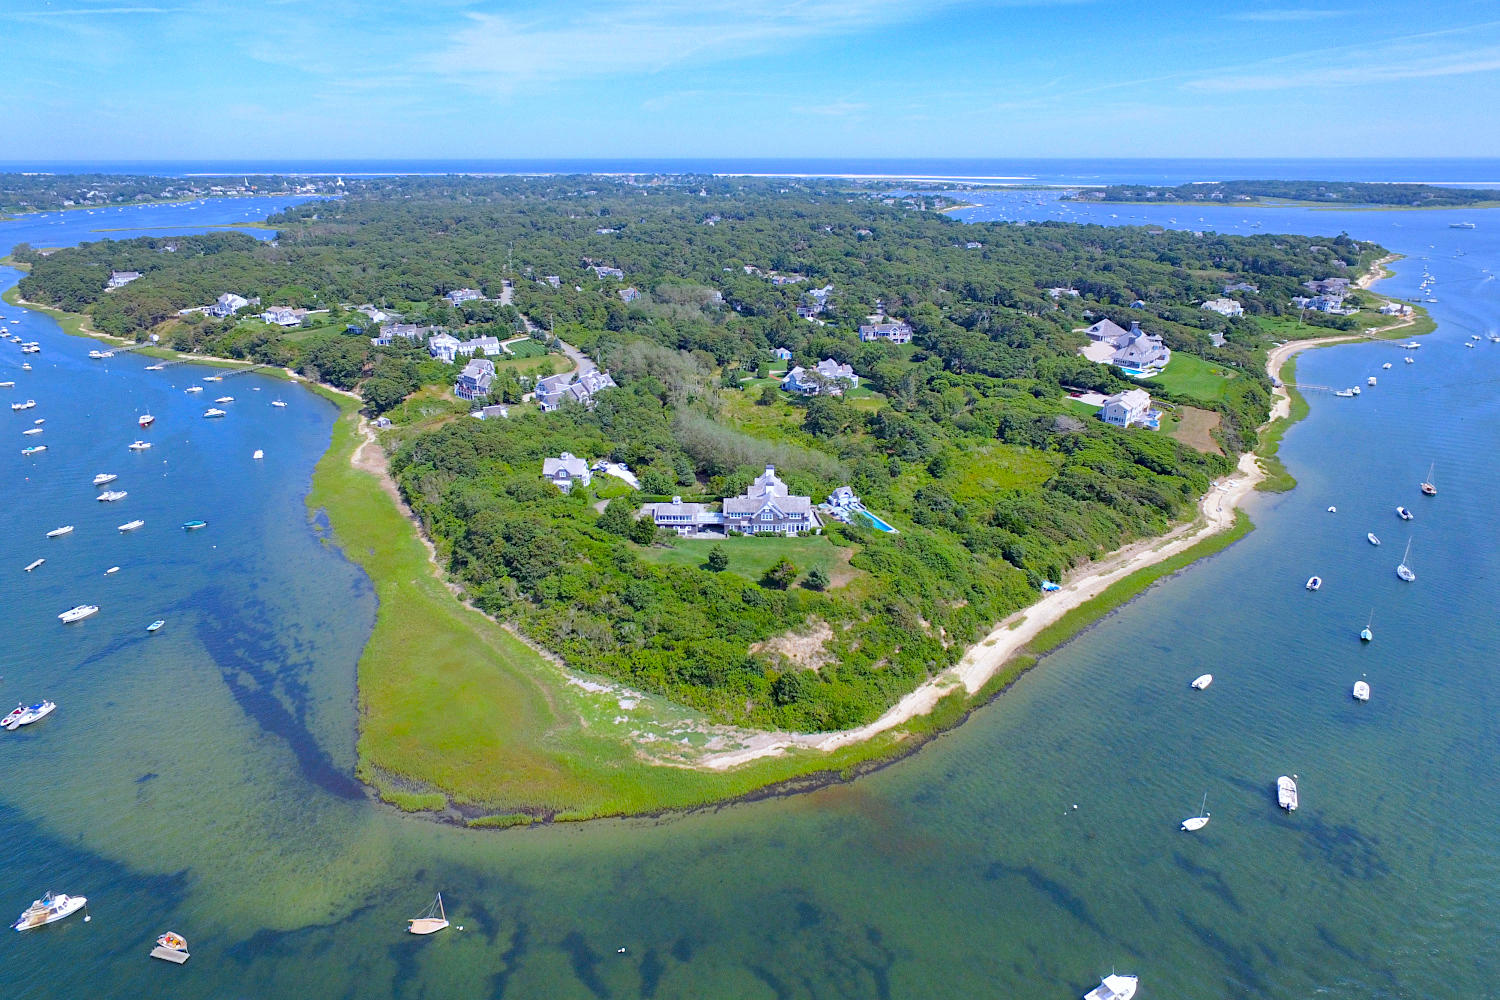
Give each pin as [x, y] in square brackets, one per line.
[199, 779]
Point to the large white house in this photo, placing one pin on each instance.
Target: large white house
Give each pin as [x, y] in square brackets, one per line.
[768, 507]
[227, 305]
[443, 346]
[827, 376]
[1133, 406]
[1224, 307]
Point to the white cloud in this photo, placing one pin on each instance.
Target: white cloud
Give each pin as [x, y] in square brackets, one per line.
[1374, 66]
[96, 11]
[1287, 15]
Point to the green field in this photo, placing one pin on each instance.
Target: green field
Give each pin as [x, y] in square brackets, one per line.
[750, 557]
[1190, 376]
[526, 349]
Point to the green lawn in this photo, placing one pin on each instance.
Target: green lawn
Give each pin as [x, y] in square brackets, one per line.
[750, 557]
[526, 349]
[1191, 376]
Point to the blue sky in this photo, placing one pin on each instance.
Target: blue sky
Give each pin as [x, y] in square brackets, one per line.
[161, 79]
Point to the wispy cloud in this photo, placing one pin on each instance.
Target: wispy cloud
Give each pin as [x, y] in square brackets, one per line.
[1287, 15]
[93, 12]
[1375, 65]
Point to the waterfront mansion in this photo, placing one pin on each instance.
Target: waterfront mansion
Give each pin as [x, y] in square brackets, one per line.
[767, 507]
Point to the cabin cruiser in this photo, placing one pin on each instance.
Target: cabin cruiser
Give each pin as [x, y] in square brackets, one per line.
[78, 614]
[105, 477]
[26, 715]
[224, 399]
[132, 525]
[23, 406]
[1404, 514]
[55, 532]
[213, 411]
[139, 445]
[49, 909]
[1114, 987]
[35, 449]
[110, 496]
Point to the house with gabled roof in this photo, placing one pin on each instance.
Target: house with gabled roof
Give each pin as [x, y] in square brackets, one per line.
[566, 470]
[827, 376]
[475, 380]
[554, 390]
[769, 507]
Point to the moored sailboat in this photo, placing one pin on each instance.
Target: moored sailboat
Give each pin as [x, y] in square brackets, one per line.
[1365, 634]
[1199, 821]
[1403, 570]
[430, 922]
[1427, 488]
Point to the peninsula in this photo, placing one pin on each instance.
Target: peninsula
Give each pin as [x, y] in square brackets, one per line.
[770, 475]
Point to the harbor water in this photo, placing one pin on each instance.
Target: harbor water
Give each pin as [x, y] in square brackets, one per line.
[200, 779]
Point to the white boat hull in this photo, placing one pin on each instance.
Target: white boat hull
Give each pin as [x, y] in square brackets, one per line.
[1202, 681]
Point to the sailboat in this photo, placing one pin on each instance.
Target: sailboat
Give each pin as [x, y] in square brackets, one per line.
[434, 920]
[1403, 570]
[1365, 635]
[1201, 820]
[1427, 488]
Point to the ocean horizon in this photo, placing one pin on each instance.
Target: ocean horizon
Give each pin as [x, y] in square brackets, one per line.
[1060, 171]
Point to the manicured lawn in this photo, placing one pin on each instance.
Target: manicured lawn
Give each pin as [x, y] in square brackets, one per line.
[751, 557]
[526, 349]
[1191, 376]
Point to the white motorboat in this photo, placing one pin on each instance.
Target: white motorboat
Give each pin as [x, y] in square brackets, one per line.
[35, 449]
[171, 947]
[132, 525]
[430, 922]
[1202, 681]
[96, 354]
[259, 454]
[1333, 510]
[49, 909]
[110, 496]
[1361, 691]
[145, 420]
[1199, 821]
[78, 614]
[105, 477]
[1355, 389]
[34, 564]
[26, 367]
[64, 530]
[112, 571]
[156, 625]
[1314, 582]
[1370, 380]
[1410, 361]
[1404, 514]
[224, 399]
[1344, 393]
[1371, 536]
[139, 445]
[23, 406]
[277, 402]
[213, 411]
[213, 378]
[1403, 569]
[7, 385]
[193, 388]
[1286, 793]
[1386, 366]
[155, 368]
[1114, 987]
[26, 715]
[32, 430]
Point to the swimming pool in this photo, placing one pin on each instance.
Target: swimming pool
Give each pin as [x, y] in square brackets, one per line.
[877, 521]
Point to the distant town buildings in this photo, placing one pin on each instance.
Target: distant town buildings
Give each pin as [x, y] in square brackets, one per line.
[827, 376]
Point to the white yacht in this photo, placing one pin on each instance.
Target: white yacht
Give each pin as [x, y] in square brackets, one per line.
[139, 445]
[224, 399]
[1202, 681]
[32, 430]
[105, 477]
[64, 530]
[132, 525]
[213, 411]
[1286, 792]
[277, 402]
[110, 496]
[193, 388]
[78, 614]
[49, 909]
[1114, 987]
[1361, 691]
[23, 406]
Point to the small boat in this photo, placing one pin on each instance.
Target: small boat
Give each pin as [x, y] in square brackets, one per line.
[224, 399]
[261, 454]
[145, 420]
[23, 406]
[430, 922]
[1365, 634]
[213, 411]
[193, 388]
[1314, 582]
[15, 714]
[1402, 569]
[110, 496]
[1333, 510]
[78, 614]
[1199, 821]
[1371, 536]
[1461, 225]
[1370, 380]
[193, 525]
[1344, 393]
[1386, 366]
[1354, 389]
[105, 477]
[49, 909]
[155, 368]
[29, 714]
[1114, 987]
[32, 430]
[1475, 336]
[1404, 514]
[112, 571]
[1361, 691]
[139, 445]
[1286, 793]
[34, 564]
[26, 367]
[7, 385]
[156, 625]
[171, 947]
[64, 530]
[1470, 346]
[1428, 489]
[35, 449]
[132, 525]
[96, 354]
[1202, 681]
[213, 378]
[277, 402]
[1410, 361]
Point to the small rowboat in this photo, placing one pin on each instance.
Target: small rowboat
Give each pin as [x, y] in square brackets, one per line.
[1203, 681]
[156, 625]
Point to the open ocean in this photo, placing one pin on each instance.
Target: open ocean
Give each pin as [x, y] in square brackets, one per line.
[200, 779]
